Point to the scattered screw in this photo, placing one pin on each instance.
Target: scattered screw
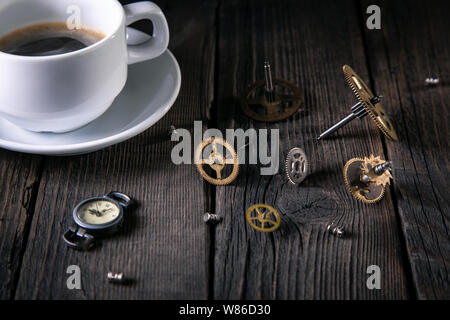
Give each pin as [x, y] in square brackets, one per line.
[340, 232]
[116, 277]
[335, 230]
[431, 81]
[172, 130]
[209, 217]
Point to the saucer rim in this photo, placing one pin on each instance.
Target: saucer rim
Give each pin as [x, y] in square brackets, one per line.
[99, 144]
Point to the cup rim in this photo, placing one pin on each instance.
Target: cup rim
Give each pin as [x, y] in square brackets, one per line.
[73, 53]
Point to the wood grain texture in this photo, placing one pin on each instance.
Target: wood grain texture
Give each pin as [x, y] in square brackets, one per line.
[411, 46]
[307, 43]
[162, 247]
[19, 177]
[165, 248]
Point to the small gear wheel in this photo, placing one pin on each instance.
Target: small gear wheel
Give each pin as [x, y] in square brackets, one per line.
[367, 178]
[217, 161]
[287, 99]
[297, 166]
[365, 96]
[368, 169]
[263, 218]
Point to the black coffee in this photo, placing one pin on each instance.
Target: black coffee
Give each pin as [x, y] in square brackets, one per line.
[48, 39]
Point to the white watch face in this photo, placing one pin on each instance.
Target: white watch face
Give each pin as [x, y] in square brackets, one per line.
[98, 212]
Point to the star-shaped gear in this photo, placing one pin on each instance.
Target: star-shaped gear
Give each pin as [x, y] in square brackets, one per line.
[368, 166]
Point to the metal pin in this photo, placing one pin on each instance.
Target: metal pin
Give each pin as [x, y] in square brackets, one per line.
[339, 232]
[172, 131]
[358, 111]
[269, 83]
[210, 217]
[431, 81]
[116, 277]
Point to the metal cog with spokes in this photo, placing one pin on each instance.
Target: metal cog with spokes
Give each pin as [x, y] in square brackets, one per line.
[217, 161]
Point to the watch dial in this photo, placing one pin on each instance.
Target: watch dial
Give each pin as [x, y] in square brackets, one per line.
[98, 212]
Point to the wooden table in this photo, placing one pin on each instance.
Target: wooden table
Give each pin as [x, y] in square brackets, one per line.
[165, 246]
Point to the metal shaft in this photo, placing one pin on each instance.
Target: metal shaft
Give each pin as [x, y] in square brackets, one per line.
[269, 82]
[381, 168]
[337, 126]
[358, 111]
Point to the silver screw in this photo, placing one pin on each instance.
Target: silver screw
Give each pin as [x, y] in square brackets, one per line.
[210, 217]
[172, 130]
[338, 231]
[116, 277]
[431, 81]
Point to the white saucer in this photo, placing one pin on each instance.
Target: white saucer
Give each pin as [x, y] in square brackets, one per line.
[150, 92]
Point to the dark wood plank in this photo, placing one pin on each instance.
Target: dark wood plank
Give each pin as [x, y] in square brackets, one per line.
[411, 46]
[307, 43]
[19, 178]
[163, 245]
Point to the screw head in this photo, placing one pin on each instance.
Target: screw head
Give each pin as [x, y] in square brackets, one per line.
[172, 131]
[115, 277]
[330, 228]
[340, 232]
[431, 81]
[209, 217]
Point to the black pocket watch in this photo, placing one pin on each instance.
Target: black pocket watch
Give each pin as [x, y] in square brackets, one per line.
[97, 217]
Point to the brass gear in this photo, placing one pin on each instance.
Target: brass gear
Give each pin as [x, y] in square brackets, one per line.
[281, 108]
[367, 192]
[217, 161]
[365, 95]
[267, 218]
[367, 169]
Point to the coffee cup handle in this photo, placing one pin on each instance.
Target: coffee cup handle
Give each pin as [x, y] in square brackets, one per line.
[159, 41]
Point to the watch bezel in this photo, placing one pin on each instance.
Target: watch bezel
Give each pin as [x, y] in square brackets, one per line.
[98, 227]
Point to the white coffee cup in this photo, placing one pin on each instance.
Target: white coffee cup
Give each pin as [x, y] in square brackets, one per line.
[64, 92]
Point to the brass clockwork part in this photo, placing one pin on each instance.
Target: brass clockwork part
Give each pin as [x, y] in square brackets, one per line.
[365, 96]
[217, 161]
[263, 217]
[368, 103]
[376, 171]
[367, 193]
[367, 178]
[257, 104]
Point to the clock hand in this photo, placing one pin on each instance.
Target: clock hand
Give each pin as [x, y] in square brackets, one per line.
[98, 214]
[93, 211]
